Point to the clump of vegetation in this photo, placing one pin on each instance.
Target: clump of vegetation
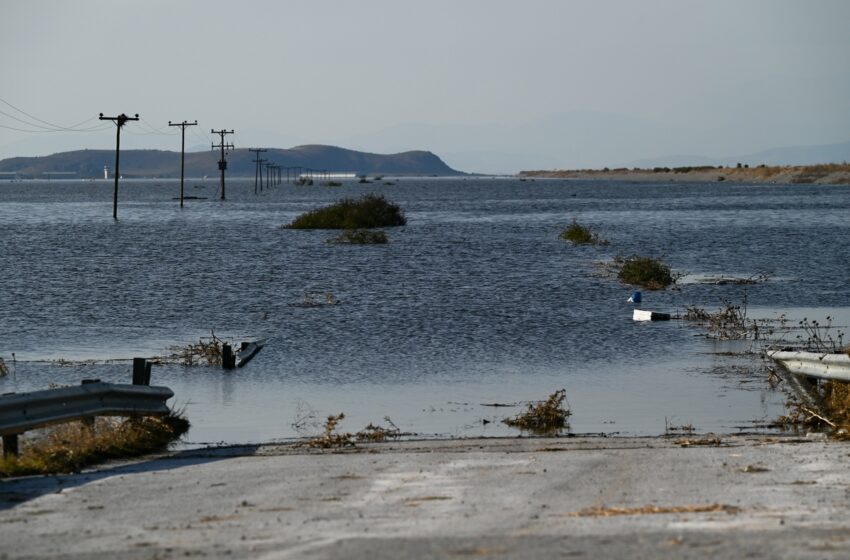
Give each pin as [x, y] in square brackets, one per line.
[646, 272]
[360, 237]
[544, 418]
[581, 235]
[207, 351]
[373, 433]
[830, 412]
[72, 446]
[330, 437]
[370, 211]
[333, 184]
[3, 368]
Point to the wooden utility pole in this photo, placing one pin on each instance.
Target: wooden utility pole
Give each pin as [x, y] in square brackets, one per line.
[222, 163]
[182, 126]
[257, 169]
[119, 122]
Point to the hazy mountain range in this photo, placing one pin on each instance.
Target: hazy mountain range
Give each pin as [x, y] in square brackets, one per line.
[571, 140]
[240, 162]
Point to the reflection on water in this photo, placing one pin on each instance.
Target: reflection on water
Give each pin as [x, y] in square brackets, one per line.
[476, 300]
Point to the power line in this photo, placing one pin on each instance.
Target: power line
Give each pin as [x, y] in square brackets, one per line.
[55, 127]
[43, 129]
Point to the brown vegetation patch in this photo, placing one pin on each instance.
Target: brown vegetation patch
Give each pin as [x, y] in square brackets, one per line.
[71, 446]
[546, 417]
[653, 510]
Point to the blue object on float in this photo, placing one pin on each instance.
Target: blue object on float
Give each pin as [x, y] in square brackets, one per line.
[635, 297]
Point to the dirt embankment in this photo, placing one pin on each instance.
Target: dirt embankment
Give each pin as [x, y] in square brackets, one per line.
[823, 174]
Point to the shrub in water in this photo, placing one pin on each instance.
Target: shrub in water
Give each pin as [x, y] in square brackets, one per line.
[646, 272]
[545, 417]
[581, 235]
[371, 211]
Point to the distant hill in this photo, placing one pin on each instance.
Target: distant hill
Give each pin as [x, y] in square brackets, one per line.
[163, 164]
[787, 155]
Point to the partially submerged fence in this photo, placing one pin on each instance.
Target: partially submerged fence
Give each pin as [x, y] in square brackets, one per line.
[21, 412]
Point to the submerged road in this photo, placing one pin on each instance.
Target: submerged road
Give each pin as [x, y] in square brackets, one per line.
[741, 497]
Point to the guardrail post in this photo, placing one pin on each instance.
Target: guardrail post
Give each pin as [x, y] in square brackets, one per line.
[228, 358]
[10, 445]
[141, 372]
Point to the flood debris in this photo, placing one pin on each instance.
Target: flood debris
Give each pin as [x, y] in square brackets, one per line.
[373, 433]
[825, 407]
[207, 351]
[316, 300]
[707, 441]
[654, 510]
[330, 437]
[545, 417]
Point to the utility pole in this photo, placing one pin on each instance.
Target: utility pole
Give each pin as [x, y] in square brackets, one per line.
[182, 126]
[222, 163]
[120, 120]
[257, 161]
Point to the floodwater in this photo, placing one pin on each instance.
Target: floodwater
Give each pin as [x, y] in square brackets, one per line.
[476, 301]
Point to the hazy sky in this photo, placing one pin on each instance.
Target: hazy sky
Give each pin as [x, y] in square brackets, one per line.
[738, 74]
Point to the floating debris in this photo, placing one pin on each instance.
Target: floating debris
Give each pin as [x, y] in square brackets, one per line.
[316, 300]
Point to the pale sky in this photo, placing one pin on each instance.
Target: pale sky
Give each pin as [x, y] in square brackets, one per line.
[456, 76]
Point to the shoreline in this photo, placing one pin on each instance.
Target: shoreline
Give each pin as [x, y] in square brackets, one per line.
[826, 174]
[706, 496]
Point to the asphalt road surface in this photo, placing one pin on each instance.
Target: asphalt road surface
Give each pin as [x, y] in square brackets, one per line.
[582, 497]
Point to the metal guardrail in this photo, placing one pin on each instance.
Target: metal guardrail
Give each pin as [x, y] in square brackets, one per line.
[26, 411]
[814, 364]
[20, 412]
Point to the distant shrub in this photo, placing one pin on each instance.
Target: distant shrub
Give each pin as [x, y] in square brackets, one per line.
[360, 237]
[581, 235]
[646, 272]
[370, 211]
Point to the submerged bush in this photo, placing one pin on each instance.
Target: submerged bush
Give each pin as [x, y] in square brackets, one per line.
[646, 272]
[360, 237]
[371, 211]
[545, 417]
[581, 235]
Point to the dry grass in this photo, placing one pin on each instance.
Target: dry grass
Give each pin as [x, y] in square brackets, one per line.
[830, 413]
[544, 418]
[373, 433]
[207, 351]
[72, 446]
[654, 510]
[330, 437]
